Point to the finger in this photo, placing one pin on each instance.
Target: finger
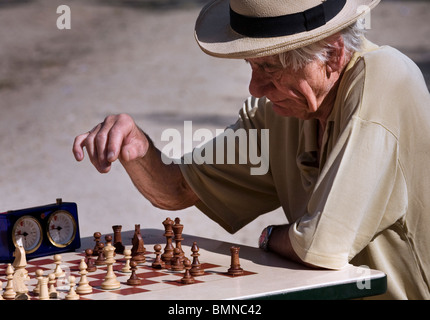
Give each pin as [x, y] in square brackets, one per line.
[100, 141]
[118, 134]
[89, 143]
[78, 149]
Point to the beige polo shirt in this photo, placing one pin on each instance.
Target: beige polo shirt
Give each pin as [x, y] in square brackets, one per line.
[366, 200]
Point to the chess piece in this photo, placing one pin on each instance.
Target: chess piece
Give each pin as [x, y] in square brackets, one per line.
[117, 240]
[196, 269]
[72, 295]
[235, 269]
[83, 285]
[91, 267]
[20, 261]
[108, 239]
[59, 273]
[176, 263]
[100, 261]
[187, 279]
[43, 288]
[20, 276]
[138, 249]
[127, 257]
[53, 294]
[97, 236]
[39, 276]
[134, 279]
[177, 231]
[158, 263]
[168, 250]
[9, 293]
[110, 282]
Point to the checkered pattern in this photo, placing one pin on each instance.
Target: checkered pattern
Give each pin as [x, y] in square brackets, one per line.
[151, 279]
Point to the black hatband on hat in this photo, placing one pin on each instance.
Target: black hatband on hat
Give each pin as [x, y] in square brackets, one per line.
[265, 27]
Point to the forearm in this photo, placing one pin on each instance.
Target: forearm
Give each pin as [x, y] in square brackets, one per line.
[280, 243]
[162, 184]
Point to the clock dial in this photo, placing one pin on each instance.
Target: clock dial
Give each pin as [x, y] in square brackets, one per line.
[61, 228]
[28, 231]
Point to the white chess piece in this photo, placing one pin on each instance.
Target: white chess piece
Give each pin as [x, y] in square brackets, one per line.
[43, 289]
[59, 273]
[9, 292]
[84, 285]
[53, 294]
[110, 282]
[127, 256]
[72, 295]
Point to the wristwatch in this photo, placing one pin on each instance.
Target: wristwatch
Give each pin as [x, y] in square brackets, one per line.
[263, 242]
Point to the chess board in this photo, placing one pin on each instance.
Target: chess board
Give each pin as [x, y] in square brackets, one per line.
[153, 280]
[266, 275]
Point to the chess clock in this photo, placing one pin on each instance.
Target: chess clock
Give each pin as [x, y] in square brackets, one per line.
[43, 230]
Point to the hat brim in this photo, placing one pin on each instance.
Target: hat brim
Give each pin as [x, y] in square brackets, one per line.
[216, 38]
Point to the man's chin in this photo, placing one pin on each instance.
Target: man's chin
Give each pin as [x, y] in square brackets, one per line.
[282, 111]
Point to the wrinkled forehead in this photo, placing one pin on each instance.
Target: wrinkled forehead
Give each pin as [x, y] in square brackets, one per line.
[272, 60]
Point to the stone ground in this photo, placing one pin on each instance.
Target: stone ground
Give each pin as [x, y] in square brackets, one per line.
[137, 57]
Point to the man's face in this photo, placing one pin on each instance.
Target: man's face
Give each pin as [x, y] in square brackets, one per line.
[294, 93]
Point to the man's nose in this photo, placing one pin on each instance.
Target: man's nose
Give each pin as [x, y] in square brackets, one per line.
[260, 84]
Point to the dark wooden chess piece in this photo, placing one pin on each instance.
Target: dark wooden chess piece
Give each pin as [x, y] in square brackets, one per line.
[168, 250]
[97, 236]
[235, 269]
[117, 239]
[196, 268]
[100, 261]
[91, 267]
[158, 263]
[138, 249]
[177, 231]
[187, 279]
[134, 280]
[177, 263]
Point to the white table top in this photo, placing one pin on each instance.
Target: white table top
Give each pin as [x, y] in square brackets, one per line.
[272, 276]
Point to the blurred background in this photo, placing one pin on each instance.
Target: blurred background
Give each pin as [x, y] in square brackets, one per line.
[137, 57]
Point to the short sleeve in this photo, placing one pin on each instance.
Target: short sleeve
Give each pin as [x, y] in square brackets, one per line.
[360, 191]
[234, 184]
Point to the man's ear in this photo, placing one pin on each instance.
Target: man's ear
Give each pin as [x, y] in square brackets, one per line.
[335, 55]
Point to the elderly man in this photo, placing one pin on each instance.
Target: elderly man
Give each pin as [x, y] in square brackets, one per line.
[349, 125]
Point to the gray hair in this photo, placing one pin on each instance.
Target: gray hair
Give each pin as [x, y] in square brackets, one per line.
[352, 38]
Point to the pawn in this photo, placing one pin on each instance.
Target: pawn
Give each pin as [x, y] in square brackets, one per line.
[134, 279]
[100, 261]
[187, 279]
[9, 292]
[177, 263]
[158, 263]
[91, 267]
[72, 295]
[39, 277]
[53, 294]
[83, 285]
[127, 257]
[97, 236]
[59, 273]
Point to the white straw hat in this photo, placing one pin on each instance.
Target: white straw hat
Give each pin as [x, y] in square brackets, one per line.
[253, 28]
